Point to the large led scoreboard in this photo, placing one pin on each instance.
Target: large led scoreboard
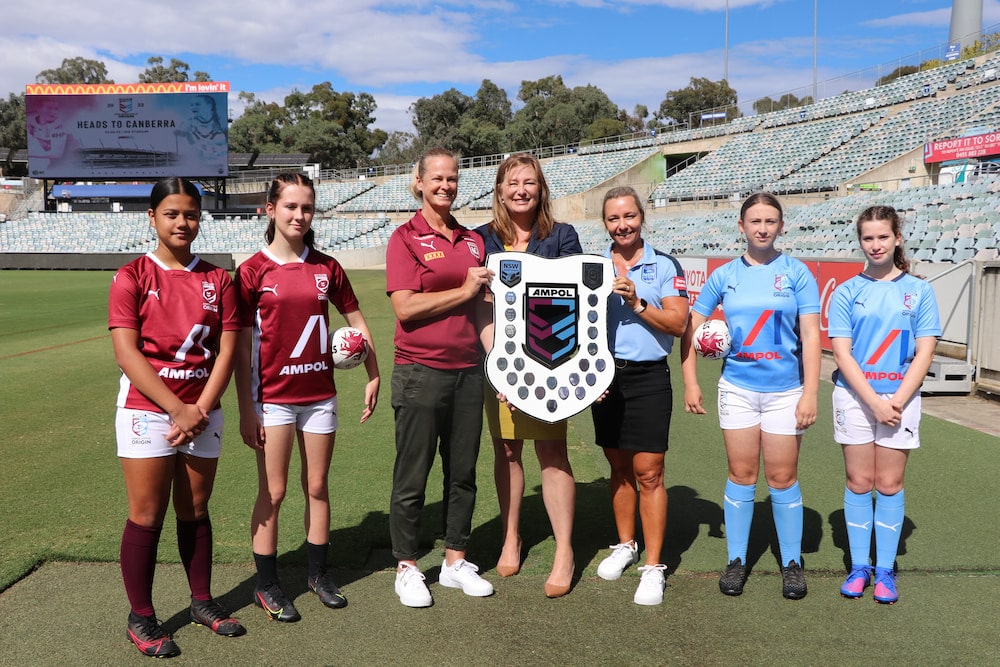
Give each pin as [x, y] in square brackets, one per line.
[128, 131]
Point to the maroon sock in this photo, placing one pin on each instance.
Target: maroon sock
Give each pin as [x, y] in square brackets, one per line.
[194, 541]
[138, 564]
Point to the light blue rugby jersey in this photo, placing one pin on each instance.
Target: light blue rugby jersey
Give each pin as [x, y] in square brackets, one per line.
[762, 305]
[883, 319]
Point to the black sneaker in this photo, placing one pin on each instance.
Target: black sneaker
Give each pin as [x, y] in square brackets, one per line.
[328, 592]
[793, 581]
[732, 580]
[148, 636]
[211, 614]
[275, 604]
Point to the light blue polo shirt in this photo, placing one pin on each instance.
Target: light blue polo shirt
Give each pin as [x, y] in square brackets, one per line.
[656, 275]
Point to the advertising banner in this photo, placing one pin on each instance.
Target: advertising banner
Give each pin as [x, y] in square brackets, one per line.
[960, 148]
[128, 131]
[828, 276]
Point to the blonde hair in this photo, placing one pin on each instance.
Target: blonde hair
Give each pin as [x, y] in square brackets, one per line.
[420, 168]
[501, 224]
[620, 192]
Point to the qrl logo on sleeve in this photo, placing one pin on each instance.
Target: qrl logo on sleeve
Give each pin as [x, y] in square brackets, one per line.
[550, 351]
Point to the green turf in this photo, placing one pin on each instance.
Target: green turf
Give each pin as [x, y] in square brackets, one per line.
[62, 501]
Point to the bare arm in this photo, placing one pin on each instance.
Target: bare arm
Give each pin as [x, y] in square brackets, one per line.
[689, 366]
[917, 371]
[357, 320]
[189, 418]
[883, 410]
[251, 429]
[409, 305]
[812, 357]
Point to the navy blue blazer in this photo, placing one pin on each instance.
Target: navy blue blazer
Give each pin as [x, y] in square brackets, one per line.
[561, 242]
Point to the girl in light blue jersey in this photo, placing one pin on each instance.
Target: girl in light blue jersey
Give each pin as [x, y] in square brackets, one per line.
[884, 327]
[768, 389]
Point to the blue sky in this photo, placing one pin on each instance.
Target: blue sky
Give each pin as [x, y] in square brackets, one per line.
[399, 51]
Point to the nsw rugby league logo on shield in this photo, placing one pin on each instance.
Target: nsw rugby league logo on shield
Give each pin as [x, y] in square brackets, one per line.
[550, 351]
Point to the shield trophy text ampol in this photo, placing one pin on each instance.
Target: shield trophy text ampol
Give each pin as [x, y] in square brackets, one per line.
[550, 353]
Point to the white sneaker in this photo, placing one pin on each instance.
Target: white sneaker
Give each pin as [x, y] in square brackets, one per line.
[650, 590]
[463, 574]
[410, 587]
[623, 556]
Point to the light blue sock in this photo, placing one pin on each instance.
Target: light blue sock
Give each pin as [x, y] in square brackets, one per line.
[889, 512]
[737, 509]
[786, 506]
[859, 516]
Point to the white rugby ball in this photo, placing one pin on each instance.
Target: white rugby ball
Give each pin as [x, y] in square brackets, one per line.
[712, 340]
[348, 348]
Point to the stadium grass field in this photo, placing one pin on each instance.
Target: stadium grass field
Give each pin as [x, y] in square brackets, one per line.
[62, 507]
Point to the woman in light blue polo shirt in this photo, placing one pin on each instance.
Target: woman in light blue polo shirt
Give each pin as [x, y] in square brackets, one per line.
[648, 308]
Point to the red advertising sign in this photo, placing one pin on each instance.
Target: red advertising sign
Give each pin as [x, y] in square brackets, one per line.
[961, 148]
[828, 274]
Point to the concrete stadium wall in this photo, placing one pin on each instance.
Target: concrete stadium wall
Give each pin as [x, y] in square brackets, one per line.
[587, 205]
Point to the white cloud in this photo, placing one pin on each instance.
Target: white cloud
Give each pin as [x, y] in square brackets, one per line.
[934, 18]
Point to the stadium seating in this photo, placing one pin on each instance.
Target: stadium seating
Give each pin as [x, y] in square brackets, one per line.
[826, 147]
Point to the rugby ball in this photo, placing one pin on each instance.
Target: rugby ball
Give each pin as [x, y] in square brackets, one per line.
[712, 340]
[349, 348]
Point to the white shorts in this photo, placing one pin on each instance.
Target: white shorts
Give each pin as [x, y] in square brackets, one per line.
[773, 411]
[854, 424]
[142, 434]
[319, 417]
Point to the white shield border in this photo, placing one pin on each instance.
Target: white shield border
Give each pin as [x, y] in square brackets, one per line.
[537, 269]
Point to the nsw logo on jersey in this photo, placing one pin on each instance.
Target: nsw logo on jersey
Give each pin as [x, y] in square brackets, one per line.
[782, 283]
[910, 301]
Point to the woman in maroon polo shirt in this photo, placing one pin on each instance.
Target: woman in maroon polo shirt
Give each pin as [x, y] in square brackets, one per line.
[435, 279]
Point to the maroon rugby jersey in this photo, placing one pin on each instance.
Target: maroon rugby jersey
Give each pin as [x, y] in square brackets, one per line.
[287, 306]
[179, 315]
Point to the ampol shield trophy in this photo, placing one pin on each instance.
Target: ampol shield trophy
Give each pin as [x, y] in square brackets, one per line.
[550, 353]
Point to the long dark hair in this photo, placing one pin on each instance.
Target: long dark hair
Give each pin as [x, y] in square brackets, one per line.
[173, 185]
[890, 215]
[280, 182]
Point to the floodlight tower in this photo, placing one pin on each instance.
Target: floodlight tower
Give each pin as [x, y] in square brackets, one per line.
[966, 22]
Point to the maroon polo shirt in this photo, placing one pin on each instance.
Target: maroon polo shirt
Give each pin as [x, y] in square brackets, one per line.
[422, 260]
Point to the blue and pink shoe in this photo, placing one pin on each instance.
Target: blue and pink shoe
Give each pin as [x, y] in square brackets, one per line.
[885, 586]
[857, 581]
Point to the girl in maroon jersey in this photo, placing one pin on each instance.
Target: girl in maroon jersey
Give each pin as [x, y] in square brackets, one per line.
[174, 328]
[285, 383]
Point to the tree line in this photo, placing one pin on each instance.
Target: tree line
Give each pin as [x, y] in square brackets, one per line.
[336, 129]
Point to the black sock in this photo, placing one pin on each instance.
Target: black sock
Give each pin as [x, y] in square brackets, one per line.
[317, 559]
[267, 569]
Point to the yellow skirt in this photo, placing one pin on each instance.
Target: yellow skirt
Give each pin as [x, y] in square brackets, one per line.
[517, 425]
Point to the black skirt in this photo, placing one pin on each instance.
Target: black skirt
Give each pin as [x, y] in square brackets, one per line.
[635, 415]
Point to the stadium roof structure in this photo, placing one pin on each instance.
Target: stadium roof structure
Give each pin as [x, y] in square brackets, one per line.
[281, 160]
[111, 191]
[240, 160]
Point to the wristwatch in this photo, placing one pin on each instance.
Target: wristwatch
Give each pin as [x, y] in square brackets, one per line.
[640, 306]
